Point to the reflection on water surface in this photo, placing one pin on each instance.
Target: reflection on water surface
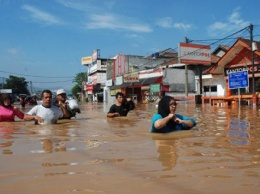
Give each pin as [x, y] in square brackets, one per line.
[96, 154]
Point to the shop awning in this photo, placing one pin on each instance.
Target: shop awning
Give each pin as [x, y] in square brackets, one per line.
[142, 82]
[147, 81]
[123, 85]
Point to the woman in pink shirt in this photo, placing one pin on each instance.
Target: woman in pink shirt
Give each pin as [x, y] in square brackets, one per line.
[7, 110]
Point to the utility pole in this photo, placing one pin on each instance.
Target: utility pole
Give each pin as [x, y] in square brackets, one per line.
[186, 73]
[253, 58]
[2, 84]
[31, 87]
[253, 65]
[200, 78]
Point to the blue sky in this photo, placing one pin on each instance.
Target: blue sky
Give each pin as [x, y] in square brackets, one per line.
[44, 40]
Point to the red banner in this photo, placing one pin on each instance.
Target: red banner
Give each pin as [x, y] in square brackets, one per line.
[89, 87]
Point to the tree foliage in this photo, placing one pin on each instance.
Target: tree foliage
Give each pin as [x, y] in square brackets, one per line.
[17, 84]
[75, 90]
[80, 77]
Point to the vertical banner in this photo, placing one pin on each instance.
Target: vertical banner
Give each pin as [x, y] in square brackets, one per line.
[95, 55]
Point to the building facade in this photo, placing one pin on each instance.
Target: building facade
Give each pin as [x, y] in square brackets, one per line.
[239, 57]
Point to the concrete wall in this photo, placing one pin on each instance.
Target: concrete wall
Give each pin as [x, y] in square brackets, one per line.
[176, 79]
[213, 80]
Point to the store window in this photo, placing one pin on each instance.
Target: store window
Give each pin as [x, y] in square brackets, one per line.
[210, 88]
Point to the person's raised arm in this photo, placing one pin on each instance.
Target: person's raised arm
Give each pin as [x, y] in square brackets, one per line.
[160, 123]
[64, 110]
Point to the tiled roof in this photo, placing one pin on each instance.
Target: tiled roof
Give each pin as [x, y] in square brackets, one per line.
[229, 55]
[167, 53]
[214, 59]
[225, 47]
[170, 62]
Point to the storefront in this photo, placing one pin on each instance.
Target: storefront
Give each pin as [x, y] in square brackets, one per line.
[140, 90]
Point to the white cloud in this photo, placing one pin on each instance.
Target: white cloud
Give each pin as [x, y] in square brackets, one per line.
[107, 20]
[79, 5]
[233, 23]
[12, 51]
[164, 22]
[167, 22]
[113, 22]
[132, 35]
[41, 16]
[182, 26]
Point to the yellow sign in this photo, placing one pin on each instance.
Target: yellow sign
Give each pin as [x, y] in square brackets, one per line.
[113, 92]
[86, 60]
[132, 77]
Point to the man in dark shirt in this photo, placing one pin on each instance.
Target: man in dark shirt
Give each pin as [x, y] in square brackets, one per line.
[122, 107]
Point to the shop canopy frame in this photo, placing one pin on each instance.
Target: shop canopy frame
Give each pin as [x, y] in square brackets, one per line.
[142, 82]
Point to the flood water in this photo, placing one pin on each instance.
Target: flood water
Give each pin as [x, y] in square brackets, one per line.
[96, 154]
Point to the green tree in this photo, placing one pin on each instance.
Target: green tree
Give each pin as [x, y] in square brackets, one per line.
[79, 79]
[75, 90]
[2, 82]
[17, 84]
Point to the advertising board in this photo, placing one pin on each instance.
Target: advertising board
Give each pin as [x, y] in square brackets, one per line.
[194, 54]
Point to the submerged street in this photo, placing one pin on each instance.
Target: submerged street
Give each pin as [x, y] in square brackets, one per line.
[96, 154]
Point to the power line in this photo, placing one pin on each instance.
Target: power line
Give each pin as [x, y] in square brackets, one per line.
[54, 81]
[219, 40]
[227, 37]
[32, 75]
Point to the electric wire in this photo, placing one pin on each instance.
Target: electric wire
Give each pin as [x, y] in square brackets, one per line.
[34, 75]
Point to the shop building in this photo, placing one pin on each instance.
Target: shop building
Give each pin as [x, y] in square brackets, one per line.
[242, 55]
[137, 76]
[97, 77]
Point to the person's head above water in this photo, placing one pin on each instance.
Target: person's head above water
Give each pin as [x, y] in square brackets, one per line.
[120, 94]
[5, 100]
[166, 105]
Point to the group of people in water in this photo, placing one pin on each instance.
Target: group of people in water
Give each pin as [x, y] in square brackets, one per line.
[27, 100]
[166, 120]
[51, 110]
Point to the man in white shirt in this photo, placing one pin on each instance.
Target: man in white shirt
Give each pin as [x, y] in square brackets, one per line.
[46, 113]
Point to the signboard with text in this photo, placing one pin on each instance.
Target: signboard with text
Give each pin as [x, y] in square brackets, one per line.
[194, 54]
[113, 92]
[86, 60]
[133, 77]
[249, 68]
[155, 88]
[238, 79]
[7, 91]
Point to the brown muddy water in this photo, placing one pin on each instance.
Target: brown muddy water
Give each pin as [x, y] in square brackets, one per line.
[96, 154]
